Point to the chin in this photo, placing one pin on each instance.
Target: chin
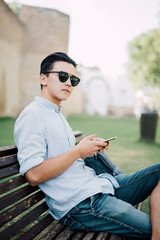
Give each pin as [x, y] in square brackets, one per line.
[65, 97]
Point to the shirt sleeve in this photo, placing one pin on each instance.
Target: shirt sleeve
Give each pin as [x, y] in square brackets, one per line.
[29, 135]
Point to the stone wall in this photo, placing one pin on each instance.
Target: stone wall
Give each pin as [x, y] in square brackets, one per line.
[11, 42]
[46, 31]
[24, 42]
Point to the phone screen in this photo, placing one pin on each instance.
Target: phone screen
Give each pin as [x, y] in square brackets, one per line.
[110, 139]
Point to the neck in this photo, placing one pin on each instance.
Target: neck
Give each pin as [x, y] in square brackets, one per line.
[45, 96]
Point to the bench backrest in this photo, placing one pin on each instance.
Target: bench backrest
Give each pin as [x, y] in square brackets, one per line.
[23, 210]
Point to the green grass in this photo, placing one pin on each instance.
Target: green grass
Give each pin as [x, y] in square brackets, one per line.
[6, 131]
[127, 151]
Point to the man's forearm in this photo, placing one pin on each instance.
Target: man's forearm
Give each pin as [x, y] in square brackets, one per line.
[52, 167]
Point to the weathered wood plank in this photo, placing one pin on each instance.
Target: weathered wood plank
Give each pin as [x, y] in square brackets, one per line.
[20, 207]
[6, 161]
[18, 225]
[11, 184]
[17, 195]
[9, 171]
[79, 236]
[90, 236]
[8, 150]
[38, 228]
[54, 231]
[65, 235]
[115, 237]
[102, 236]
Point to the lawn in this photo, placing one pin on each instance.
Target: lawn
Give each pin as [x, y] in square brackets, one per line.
[127, 151]
[6, 131]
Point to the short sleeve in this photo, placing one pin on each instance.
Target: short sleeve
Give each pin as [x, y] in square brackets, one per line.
[29, 135]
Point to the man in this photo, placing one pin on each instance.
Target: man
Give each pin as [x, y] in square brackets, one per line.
[49, 158]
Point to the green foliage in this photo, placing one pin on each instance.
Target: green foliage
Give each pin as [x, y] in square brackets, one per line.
[15, 7]
[144, 59]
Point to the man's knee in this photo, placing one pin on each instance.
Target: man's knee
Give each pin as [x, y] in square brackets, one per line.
[155, 195]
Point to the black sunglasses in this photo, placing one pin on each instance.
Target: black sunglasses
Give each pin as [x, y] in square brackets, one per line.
[63, 77]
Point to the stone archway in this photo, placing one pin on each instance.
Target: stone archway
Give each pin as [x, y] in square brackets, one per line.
[97, 96]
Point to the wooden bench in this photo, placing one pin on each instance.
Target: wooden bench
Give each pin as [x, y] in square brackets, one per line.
[23, 210]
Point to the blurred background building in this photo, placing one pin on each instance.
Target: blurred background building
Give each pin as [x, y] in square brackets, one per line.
[106, 96]
[25, 40]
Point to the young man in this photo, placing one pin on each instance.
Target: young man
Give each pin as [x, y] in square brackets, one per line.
[49, 158]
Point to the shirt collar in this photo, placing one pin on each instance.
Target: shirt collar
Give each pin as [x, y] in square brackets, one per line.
[49, 105]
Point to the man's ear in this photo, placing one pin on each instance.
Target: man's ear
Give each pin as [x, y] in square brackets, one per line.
[43, 79]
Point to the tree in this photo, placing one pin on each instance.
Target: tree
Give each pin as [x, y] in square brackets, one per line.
[144, 59]
[15, 6]
[144, 63]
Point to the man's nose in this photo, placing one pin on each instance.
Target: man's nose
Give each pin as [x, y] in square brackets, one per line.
[68, 82]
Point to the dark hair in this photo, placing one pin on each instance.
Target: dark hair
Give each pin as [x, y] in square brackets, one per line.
[48, 62]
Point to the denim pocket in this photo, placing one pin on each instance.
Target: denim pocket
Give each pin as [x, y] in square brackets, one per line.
[72, 224]
[83, 207]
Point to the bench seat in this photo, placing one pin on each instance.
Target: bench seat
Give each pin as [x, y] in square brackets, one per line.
[23, 210]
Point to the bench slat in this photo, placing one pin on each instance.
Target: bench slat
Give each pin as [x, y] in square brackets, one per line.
[16, 227]
[115, 237]
[79, 138]
[11, 184]
[77, 133]
[6, 161]
[8, 150]
[102, 236]
[20, 207]
[65, 235]
[9, 171]
[90, 236]
[54, 231]
[38, 228]
[15, 196]
[79, 236]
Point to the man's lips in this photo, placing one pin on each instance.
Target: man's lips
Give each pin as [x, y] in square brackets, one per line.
[66, 90]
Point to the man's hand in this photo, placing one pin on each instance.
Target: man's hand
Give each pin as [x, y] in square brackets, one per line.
[102, 140]
[91, 145]
[55, 166]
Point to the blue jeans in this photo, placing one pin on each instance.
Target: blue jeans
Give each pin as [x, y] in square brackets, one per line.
[116, 214]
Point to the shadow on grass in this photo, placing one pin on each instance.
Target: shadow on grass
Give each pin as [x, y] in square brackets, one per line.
[150, 143]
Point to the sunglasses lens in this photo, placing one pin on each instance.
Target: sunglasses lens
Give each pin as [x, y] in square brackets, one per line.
[74, 81]
[63, 77]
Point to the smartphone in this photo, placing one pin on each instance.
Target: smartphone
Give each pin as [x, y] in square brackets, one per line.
[110, 139]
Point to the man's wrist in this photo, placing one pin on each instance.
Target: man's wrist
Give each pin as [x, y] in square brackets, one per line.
[78, 151]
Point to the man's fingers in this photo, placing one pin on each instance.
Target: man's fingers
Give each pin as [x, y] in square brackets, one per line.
[91, 137]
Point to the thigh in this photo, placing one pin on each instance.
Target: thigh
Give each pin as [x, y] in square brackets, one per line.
[136, 187]
[106, 213]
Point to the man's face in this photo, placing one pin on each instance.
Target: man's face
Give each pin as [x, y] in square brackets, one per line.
[53, 89]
